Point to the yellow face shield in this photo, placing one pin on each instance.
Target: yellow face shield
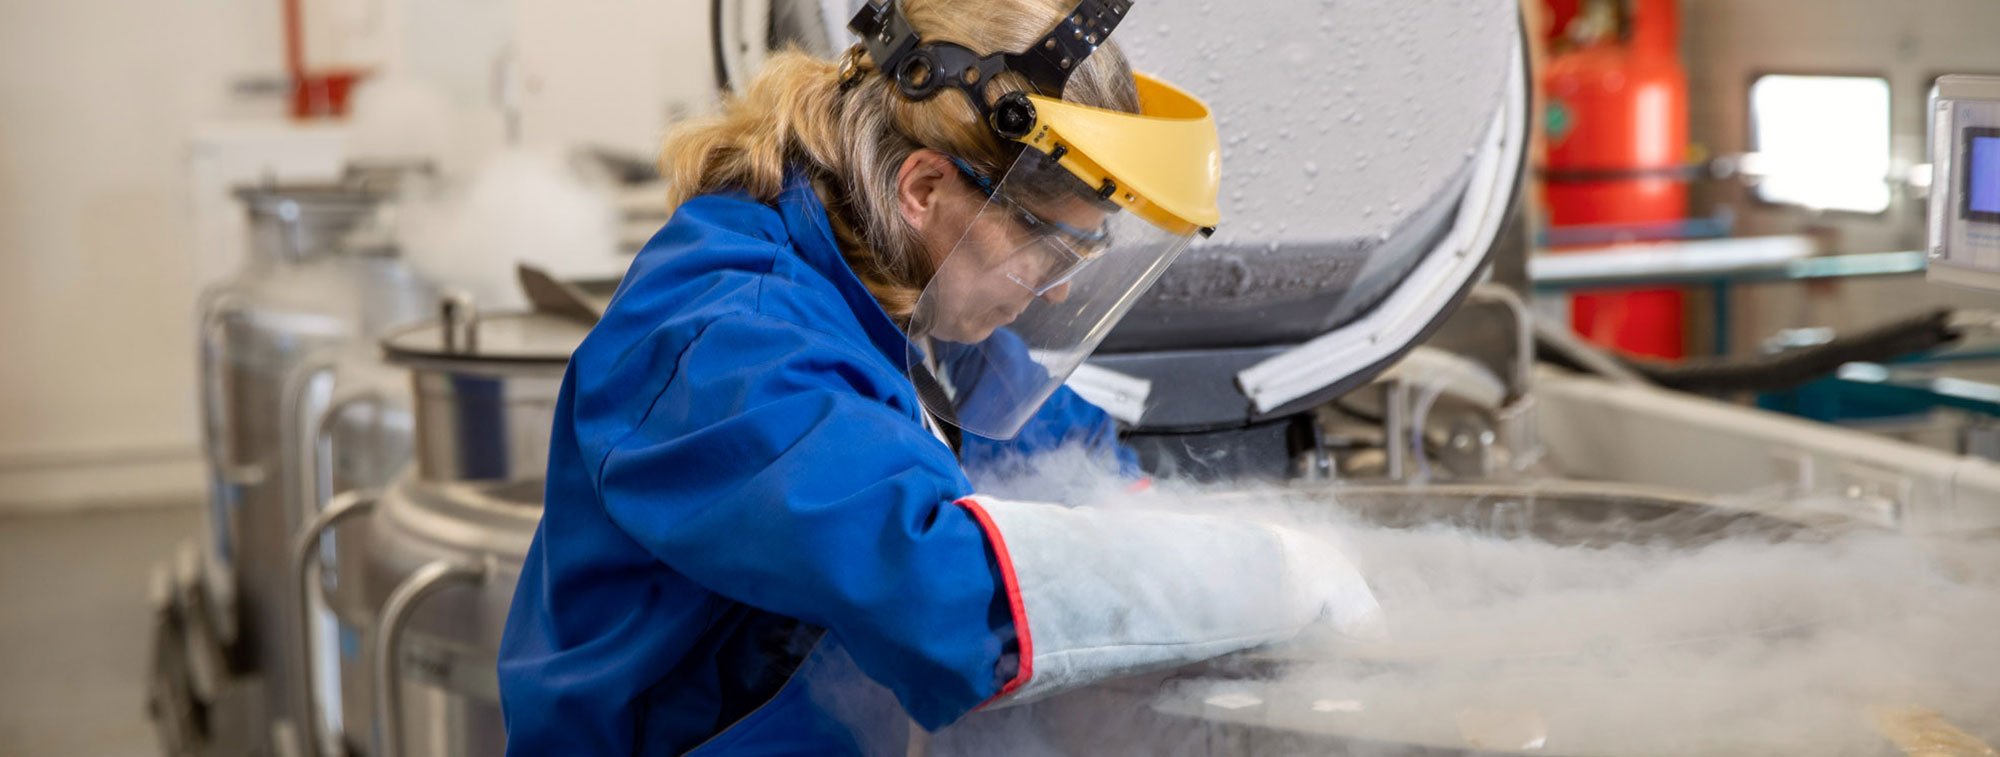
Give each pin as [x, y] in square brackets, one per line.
[1097, 205]
[1163, 163]
[1090, 214]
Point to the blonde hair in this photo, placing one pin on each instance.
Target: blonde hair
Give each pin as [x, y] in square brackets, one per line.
[852, 141]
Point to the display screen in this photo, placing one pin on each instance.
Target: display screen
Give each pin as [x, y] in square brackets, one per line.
[1982, 174]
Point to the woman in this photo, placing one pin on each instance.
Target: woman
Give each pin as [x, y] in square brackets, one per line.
[759, 534]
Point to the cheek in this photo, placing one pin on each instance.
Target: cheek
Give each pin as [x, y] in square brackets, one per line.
[969, 249]
[991, 244]
[933, 243]
[951, 222]
[944, 237]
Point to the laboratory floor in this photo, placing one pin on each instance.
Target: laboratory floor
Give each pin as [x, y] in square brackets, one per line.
[74, 628]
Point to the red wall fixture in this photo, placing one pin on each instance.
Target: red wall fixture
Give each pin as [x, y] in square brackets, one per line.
[319, 93]
[1617, 144]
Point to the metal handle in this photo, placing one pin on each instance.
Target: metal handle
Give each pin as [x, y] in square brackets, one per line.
[316, 485]
[214, 346]
[316, 491]
[1524, 334]
[340, 508]
[307, 419]
[1395, 428]
[396, 613]
[1518, 418]
[308, 393]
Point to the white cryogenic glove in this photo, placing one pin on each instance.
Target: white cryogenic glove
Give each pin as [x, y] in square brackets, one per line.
[1100, 593]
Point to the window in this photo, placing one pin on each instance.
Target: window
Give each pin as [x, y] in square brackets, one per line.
[1821, 142]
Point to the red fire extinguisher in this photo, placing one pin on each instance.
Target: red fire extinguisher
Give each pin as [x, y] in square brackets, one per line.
[1617, 146]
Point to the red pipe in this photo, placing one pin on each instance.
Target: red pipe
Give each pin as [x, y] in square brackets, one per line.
[295, 43]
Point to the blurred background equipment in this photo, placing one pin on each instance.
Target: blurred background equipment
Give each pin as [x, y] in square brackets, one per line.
[1572, 271]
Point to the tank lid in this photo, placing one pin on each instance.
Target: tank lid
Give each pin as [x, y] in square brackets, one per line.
[465, 336]
[359, 188]
[272, 198]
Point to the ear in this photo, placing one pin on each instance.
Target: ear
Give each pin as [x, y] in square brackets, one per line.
[921, 186]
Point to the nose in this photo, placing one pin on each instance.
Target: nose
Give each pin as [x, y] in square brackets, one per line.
[1057, 294]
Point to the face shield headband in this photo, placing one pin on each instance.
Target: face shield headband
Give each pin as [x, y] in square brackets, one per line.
[922, 69]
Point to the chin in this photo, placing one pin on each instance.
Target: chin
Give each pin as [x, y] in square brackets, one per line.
[961, 334]
[977, 335]
[986, 330]
[971, 333]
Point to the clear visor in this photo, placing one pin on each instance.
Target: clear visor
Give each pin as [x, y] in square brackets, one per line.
[1043, 271]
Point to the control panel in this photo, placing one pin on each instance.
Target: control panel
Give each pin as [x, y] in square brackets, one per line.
[1965, 183]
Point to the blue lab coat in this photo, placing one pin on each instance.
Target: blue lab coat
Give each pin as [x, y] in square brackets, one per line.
[740, 491]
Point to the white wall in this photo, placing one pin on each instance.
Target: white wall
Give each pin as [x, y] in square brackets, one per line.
[612, 72]
[97, 99]
[100, 101]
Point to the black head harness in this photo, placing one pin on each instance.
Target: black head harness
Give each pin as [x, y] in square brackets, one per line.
[921, 69]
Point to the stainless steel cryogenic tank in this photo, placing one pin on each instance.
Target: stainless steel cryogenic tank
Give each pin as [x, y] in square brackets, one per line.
[423, 584]
[272, 361]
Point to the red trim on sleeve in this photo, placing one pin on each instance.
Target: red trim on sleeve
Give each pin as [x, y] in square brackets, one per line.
[1141, 485]
[1007, 578]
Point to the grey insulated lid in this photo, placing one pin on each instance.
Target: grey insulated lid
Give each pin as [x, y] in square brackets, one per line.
[465, 339]
[286, 199]
[1351, 132]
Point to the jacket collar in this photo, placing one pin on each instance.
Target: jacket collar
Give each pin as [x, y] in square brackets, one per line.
[812, 235]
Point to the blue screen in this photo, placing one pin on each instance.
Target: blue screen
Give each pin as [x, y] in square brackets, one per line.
[1982, 187]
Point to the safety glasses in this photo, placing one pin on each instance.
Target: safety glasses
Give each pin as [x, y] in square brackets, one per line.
[1054, 252]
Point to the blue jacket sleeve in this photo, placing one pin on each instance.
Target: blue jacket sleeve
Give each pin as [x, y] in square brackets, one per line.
[1065, 419]
[771, 470]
